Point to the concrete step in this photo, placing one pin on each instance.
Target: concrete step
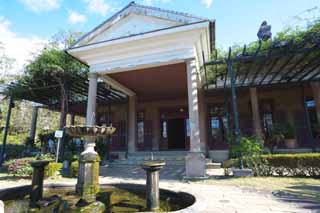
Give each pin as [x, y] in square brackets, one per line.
[210, 165]
[169, 161]
[139, 162]
[159, 153]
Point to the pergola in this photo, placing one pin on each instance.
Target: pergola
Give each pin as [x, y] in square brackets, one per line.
[76, 89]
[280, 62]
[283, 62]
[68, 97]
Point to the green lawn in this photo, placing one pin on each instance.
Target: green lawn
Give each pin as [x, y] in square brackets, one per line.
[308, 188]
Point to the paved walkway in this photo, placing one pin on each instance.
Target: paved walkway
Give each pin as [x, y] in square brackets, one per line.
[214, 198]
[210, 198]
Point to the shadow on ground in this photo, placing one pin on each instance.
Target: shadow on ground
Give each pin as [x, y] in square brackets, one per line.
[306, 196]
[136, 173]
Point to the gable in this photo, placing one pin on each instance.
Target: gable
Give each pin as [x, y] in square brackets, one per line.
[133, 24]
[135, 19]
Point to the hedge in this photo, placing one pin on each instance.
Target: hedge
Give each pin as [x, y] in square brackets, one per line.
[302, 165]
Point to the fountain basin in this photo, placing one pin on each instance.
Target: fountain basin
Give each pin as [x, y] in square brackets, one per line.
[89, 131]
[116, 197]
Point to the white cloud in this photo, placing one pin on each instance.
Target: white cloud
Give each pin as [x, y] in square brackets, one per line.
[100, 7]
[207, 3]
[41, 5]
[75, 17]
[151, 2]
[21, 49]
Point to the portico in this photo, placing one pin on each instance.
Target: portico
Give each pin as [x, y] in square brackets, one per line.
[158, 69]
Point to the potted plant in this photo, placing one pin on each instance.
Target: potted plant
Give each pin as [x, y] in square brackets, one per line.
[290, 137]
[275, 140]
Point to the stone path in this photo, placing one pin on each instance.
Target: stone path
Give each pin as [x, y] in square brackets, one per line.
[213, 198]
[210, 198]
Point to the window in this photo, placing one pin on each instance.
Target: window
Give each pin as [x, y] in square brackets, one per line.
[140, 128]
[164, 129]
[267, 116]
[312, 115]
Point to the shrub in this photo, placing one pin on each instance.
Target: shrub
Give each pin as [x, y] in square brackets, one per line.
[248, 147]
[74, 169]
[52, 169]
[47, 156]
[289, 131]
[22, 168]
[19, 167]
[302, 165]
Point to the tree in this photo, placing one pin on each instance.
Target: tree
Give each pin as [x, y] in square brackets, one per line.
[54, 67]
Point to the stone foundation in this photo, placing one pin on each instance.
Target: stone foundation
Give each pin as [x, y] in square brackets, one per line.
[195, 165]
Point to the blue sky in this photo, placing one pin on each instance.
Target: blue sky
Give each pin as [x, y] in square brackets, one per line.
[26, 24]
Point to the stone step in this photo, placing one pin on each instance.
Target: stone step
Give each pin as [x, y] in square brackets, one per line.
[210, 165]
[169, 161]
[215, 172]
[158, 158]
[139, 162]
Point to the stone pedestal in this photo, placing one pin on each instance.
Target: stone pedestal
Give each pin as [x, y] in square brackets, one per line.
[152, 188]
[195, 165]
[37, 182]
[88, 177]
[242, 172]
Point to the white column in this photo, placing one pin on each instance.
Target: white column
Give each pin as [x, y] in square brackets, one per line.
[92, 99]
[132, 124]
[195, 160]
[255, 113]
[91, 111]
[203, 121]
[193, 106]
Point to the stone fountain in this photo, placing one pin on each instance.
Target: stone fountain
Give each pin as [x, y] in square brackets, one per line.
[88, 173]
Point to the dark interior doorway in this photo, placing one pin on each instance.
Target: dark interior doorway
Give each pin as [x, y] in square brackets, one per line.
[176, 134]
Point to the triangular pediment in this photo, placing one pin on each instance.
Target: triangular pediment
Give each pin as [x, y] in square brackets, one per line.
[133, 24]
[133, 20]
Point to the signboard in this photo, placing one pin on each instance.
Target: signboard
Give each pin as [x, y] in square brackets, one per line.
[58, 134]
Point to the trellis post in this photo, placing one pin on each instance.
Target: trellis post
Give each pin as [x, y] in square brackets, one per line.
[6, 130]
[234, 103]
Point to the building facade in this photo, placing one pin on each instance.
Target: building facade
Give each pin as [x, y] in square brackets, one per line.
[155, 57]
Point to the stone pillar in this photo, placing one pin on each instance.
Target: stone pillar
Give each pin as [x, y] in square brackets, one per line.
[152, 184]
[132, 124]
[255, 113]
[155, 129]
[92, 99]
[316, 96]
[37, 182]
[34, 122]
[203, 121]
[195, 160]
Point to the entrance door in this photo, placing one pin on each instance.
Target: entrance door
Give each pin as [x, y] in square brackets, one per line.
[176, 134]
